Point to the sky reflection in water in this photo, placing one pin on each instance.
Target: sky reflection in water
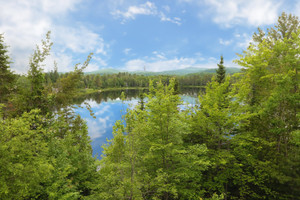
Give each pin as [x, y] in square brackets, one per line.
[107, 112]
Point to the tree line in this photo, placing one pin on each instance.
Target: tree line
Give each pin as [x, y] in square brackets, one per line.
[126, 79]
[240, 142]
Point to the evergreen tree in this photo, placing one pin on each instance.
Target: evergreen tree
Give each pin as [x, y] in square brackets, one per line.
[221, 71]
[54, 74]
[6, 76]
[142, 100]
[214, 123]
[176, 86]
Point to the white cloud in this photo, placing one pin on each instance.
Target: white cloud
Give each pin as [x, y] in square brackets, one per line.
[103, 120]
[97, 128]
[58, 7]
[22, 28]
[96, 64]
[237, 35]
[127, 51]
[91, 67]
[158, 55]
[243, 40]
[156, 64]
[80, 40]
[175, 20]
[93, 104]
[136, 64]
[64, 62]
[100, 61]
[167, 8]
[132, 103]
[225, 42]
[147, 8]
[26, 22]
[242, 12]
[101, 111]
[240, 41]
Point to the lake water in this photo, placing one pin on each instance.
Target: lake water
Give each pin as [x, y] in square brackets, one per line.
[108, 108]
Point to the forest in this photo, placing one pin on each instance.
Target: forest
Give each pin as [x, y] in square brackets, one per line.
[127, 80]
[240, 142]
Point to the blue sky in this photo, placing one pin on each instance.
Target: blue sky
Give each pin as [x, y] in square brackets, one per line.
[130, 34]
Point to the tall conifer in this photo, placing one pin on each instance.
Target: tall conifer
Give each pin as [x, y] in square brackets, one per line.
[221, 71]
[6, 76]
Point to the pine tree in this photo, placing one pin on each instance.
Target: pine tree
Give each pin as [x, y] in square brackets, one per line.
[142, 101]
[6, 76]
[221, 71]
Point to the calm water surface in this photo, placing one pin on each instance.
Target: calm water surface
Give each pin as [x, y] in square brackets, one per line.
[108, 108]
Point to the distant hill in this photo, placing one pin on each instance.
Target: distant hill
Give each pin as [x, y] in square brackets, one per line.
[189, 70]
[105, 71]
[230, 70]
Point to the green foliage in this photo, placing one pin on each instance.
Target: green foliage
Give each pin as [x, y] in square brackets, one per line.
[66, 88]
[52, 76]
[70, 150]
[249, 126]
[125, 79]
[214, 123]
[285, 27]
[142, 102]
[36, 76]
[45, 153]
[271, 76]
[221, 71]
[24, 164]
[7, 78]
[45, 158]
[240, 142]
[146, 159]
[216, 197]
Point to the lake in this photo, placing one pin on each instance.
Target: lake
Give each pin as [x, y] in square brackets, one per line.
[108, 108]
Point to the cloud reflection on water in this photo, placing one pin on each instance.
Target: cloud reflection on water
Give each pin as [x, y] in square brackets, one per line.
[107, 113]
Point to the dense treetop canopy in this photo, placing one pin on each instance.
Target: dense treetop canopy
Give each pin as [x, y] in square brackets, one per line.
[240, 142]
